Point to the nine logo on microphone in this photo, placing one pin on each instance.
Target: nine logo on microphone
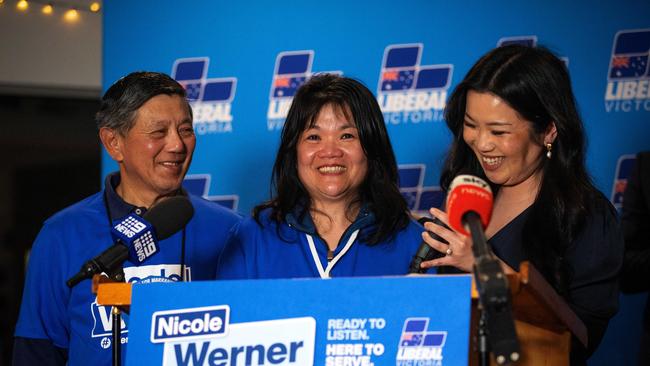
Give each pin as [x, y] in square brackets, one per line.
[138, 235]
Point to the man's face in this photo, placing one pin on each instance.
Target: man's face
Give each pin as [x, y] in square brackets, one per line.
[156, 152]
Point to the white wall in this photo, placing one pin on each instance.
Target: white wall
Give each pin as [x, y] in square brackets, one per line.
[43, 55]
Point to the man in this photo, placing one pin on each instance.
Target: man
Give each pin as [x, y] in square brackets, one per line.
[145, 124]
[636, 264]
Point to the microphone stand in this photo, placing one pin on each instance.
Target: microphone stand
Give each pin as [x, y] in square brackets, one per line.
[116, 276]
[496, 323]
[114, 272]
[117, 336]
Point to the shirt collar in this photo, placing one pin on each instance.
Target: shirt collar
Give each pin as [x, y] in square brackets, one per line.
[117, 207]
[301, 220]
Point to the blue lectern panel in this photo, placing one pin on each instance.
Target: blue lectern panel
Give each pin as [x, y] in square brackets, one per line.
[402, 321]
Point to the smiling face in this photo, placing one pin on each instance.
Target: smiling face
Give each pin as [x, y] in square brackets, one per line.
[504, 143]
[331, 162]
[156, 152]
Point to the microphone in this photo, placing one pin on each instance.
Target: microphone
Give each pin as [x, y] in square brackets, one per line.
[425, 251]
[470, 198]
[469, 208]
[136, 239]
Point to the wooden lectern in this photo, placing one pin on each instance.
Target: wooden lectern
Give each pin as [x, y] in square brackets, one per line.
[543, 320]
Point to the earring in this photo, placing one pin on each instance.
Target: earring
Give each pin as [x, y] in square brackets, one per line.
[549, 147]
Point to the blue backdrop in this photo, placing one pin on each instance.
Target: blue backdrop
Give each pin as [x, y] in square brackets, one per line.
[242, 62]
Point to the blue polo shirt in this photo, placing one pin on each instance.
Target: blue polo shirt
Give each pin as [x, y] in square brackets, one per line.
[59, 324]
[283, 250]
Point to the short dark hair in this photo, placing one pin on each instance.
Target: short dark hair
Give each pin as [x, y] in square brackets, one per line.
[536, 84]
[379, 189]
[123, 99]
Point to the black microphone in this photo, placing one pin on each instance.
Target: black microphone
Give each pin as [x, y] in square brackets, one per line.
[138, 237]
[425, 251]
[469, 208]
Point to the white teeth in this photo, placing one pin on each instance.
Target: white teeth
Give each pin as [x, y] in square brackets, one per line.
[170, 163]
[491, 161]
[331, 169]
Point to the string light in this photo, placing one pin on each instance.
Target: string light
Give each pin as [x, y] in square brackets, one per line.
[22, 5]
[71, 15]
[47, 9]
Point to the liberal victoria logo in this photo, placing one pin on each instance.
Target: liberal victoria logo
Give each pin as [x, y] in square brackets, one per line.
[628, 77]
[199, 184]
[418, 198]
[529, 41]
[624, 168]
[211, 98]
[409, 92]
[418, 346]
[292, 69]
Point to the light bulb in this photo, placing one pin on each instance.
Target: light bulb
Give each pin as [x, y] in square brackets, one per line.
[94, 7]
[71, 16]
[47, 9]
[22, 5]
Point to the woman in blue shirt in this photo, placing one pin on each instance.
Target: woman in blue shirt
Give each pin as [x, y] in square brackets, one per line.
[336, 208]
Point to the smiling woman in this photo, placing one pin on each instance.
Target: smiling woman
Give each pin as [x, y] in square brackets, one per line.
[336, 208]
[331, 161]
[508, 151]
[516, 124]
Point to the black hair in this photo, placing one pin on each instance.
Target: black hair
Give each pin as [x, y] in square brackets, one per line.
[536, 84]
[122, 100]
[379, 189]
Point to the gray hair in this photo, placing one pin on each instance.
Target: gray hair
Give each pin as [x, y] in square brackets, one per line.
[122, 100]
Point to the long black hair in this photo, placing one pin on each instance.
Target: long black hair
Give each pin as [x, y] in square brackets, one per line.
[379, 189]
[536, 84]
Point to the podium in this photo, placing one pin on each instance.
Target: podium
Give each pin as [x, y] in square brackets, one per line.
[544, 322]
[336, 322]
[404, 321]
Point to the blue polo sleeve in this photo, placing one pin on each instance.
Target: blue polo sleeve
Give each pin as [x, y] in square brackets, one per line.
[232, 262]
[45, 296]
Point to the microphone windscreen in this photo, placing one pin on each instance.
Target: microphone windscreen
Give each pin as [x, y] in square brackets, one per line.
[468, 193]
[169, 215]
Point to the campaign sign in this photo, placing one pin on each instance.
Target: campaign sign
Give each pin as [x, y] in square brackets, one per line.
[188, 324]
[403, 321]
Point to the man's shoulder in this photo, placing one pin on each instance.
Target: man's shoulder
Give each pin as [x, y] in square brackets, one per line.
[208, 210]
[87, 208]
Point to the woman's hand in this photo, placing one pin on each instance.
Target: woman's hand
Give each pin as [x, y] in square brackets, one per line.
[458, 253]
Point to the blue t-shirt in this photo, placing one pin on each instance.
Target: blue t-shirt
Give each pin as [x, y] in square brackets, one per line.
[53, 315]
[283, 250]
